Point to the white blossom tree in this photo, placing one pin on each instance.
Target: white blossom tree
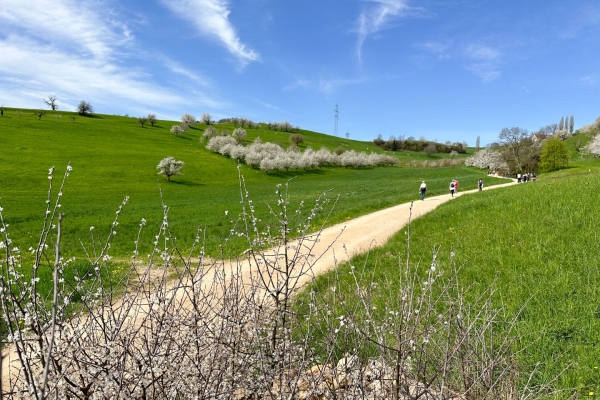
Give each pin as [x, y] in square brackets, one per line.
[178, 129]
[593, 147]
[239, 134]
[206, 118]
[188, 120]
[169, 166]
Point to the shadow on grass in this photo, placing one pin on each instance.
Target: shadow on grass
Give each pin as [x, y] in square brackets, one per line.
[184, 137]
[187, 183]
[293, 173]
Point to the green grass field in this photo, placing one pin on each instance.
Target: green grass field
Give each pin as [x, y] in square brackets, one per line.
[541, 243]
[538, 239]
[113, 157]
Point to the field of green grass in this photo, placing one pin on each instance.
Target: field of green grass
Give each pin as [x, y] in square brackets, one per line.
[540, 243]
[539, 240]
[113, 157]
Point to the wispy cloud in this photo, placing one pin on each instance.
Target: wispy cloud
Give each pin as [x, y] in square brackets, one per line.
[67, 49]
[211, 19]
[329, 86]
[64, 21]
[270, 106]
[440, 50]
[297, 83]
[379, 17]
[483, 61]
[323, 85]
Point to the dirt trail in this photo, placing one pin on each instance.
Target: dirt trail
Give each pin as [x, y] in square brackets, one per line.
[373, 230]
[336, 244]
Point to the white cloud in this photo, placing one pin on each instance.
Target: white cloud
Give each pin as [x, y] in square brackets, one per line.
[482, 52]
[484, 61]
[329, 86]
[379, 17]
[64, 21]
[211, 18]
[486, 71]
[439, 49]
[298, 83]
[65, 48]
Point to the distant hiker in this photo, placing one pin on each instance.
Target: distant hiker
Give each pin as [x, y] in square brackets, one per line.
[456, 185]
[480, 184]
[452, 188]
[533, 177]
[423, 190]
[518, 178]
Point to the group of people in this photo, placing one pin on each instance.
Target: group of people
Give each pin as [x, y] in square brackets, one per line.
[526, 177]
[453, 187]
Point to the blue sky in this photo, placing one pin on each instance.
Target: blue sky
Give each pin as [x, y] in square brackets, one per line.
[446, 70]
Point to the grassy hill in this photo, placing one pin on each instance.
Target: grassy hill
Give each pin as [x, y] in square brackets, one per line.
[113, 157]
[538, 243]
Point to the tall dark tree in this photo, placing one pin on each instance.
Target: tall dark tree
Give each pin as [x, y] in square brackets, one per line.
[561, 124]
[571, 124]
[84, 108]
[51, 102]
[477, 143]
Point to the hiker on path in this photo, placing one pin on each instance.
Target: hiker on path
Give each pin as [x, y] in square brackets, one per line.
[423, 190]
[456, 185]
[452, 188]
[480, 184]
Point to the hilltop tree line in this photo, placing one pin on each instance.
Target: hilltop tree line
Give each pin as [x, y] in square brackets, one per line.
[519, 151]
[411, 144]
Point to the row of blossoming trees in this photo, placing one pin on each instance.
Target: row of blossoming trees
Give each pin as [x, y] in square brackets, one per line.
[272, 157]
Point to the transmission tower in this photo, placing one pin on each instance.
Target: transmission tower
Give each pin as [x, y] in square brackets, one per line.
[337, 111]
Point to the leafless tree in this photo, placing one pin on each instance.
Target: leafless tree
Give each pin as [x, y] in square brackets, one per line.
[84, 108]
[152, 119]
[39, 113]
[515, 145]
[296, 138]
[430, 149]
[142, 121]
[51, 102]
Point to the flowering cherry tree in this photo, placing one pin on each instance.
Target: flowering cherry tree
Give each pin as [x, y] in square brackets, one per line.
[168, 167]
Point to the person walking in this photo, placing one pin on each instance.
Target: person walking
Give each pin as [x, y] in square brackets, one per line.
[452, 188]
[455, 185]
[480, 184]
[423, 190]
